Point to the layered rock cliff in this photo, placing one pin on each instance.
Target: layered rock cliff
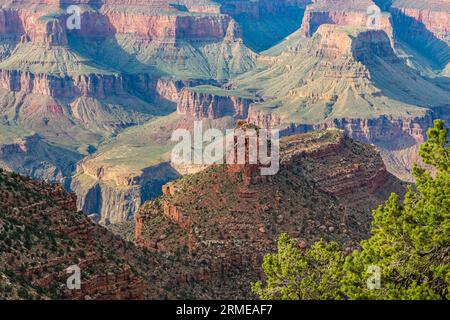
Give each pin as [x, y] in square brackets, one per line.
[426, 27]
[43, 235]
[126, 63]
[325, 188]
[352, 13]
[205, 105]
[348, 78]
[134, 166]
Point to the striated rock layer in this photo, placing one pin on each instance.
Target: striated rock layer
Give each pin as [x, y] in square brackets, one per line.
[325, 188]
[131, 169]
[51, 237]
[347, 78]
[43, 236]
[351, 13]
[426, 27]
[433, 15]
[212, 106]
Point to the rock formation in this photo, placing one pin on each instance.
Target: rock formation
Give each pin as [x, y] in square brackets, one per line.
[224, 225]
[352, 79]
[352, 13]
[212, 106]
[43, 235]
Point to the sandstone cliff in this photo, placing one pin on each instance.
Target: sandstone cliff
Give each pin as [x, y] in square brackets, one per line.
[204, 105]
[352, 13]
[325, 189]
[348, 78]
[43, 235]
[135, 60]
[426, 27]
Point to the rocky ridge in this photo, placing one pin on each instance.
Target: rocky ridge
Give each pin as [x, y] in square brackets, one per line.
[42, 235]
[225, 218]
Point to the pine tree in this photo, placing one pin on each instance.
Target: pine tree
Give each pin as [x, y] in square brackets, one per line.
[294, 274]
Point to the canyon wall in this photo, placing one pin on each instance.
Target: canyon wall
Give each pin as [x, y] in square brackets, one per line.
[212, 106]
[398, 138]
[344, 13]
[414, 20]
[100, 86]
[87, 85]
[150, 22]
[113, 195]
[424, 27]
[356, 64]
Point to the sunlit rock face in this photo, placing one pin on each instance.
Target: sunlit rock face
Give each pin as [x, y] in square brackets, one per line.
[132, 62]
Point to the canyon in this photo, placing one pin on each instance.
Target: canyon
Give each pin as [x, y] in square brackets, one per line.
[87, 114]
[188, 244]
[93, 108]
[349, 77]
